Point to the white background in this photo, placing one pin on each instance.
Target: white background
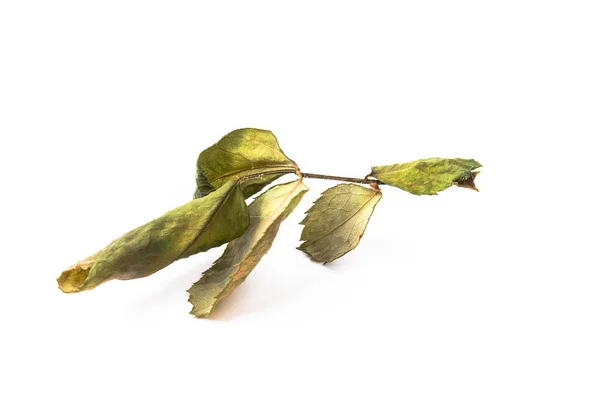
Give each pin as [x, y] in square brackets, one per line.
[104, 107]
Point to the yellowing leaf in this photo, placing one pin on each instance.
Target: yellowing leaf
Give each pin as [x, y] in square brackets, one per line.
[243, 254]
[192, 228]
[337, 221]
[428, 176]
[241, 153]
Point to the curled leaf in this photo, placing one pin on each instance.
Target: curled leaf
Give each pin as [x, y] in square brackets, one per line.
[468, 181]
[241, 153]
[337, 221]
[189, 229]
[428, 176]
[243, 254]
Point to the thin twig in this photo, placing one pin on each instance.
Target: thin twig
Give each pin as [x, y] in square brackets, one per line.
[341, 178]
[362, 181]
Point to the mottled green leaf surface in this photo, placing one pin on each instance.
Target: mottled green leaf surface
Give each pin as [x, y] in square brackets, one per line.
[241, 153]
[192, 228]
[337, 221]
[428, 176]
[242, 254]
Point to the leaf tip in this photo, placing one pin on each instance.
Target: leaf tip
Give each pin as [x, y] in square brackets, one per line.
[303, 249]
[71, 280]
[202, 311]
[199, 315]
[468, 181]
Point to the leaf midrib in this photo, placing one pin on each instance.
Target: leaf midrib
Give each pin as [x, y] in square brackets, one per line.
[208, 220]
[343, 223]
[252, 168]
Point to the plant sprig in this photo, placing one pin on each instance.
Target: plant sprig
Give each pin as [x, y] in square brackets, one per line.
[241, 164]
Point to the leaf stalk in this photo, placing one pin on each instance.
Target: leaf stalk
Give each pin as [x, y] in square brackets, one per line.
[364, 181]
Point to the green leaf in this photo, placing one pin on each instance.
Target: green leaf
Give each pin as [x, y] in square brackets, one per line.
[429, 176]
[192, 228]
[241, 153]
[243, 254]
[337, 221]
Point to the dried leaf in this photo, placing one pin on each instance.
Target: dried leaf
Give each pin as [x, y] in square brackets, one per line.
[428, 176]
[241, 153]
[192, 228]
[337, 221]
[243, 254]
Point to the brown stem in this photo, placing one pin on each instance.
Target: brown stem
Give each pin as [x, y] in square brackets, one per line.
[341, 178]
[373, 182]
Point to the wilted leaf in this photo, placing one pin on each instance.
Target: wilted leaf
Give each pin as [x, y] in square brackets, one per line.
[242, 254]
[241, 153]
[428, 176]
[337, 221]
[192, 228]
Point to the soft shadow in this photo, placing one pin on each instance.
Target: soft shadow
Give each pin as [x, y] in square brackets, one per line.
[160, 290]
[233, 305]
[334, 265]
[259, 293]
